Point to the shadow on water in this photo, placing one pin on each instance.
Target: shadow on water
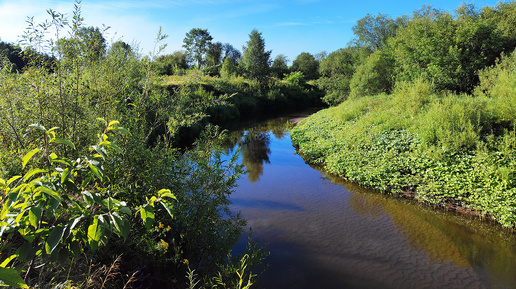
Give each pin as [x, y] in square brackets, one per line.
[324, 232]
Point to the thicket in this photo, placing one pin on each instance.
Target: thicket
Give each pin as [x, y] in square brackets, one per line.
[444, 127]
[85, 206]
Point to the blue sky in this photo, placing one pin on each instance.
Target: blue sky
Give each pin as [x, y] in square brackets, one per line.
[289, 27]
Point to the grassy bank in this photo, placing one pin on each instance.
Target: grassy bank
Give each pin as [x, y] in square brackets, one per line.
[444, 147]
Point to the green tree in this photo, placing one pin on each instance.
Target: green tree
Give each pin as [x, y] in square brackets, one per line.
[336, 72]
[449, 50]
[13, 54]
[197, 43]
[229, 68]
[214, 54]
[374, 76]
[373, 32]
[279, 66]
[255, 60]
[306, 63]
[230, 51]
[172, 64]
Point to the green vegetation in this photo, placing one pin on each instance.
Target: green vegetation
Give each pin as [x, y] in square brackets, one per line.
[91, 169]
[446, 132]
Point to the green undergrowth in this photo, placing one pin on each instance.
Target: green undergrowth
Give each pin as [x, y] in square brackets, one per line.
[446, 148]
[248, 98]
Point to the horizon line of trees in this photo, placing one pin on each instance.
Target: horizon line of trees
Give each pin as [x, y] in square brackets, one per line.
[442, 47]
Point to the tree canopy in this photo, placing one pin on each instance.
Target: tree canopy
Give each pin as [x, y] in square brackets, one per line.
[307, 64]
[255, 60]
[197, 43]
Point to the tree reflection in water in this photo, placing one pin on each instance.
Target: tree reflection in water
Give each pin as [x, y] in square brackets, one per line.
[254, 144]
[255, 150]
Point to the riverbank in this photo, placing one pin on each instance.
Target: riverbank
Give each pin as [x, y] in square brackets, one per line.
[443, 149]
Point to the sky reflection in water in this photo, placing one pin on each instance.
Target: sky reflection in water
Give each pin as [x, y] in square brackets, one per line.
[325, 233]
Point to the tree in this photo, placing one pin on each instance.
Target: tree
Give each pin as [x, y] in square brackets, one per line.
[197, 42]
[87, 43]
[373, 32]
[214, 54]
[255, 60]
[172, 64]
[279, 66]
[449, 50]
[306, 63]
[374, 76]
[12, 54]
[93, 44]
[229, 68]
[336, 72]
[231, 52]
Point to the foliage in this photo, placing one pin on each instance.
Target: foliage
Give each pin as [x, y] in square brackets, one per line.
[114, 83]
[229, 68]
[295, 79]
[444, 148]
[255, 59]
[448, 49]
[52, 212]
[197, 43]
[306, 63]
[279, 66]
[374, 76]
[336, 72]
[373, 32]
[172, 64]
[13, 55]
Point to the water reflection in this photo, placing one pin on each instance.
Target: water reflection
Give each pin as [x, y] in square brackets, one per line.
[326, 233]
[462, 240]
[254, 144]
[255, 150]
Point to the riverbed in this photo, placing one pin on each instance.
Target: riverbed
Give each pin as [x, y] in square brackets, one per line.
[325, 233]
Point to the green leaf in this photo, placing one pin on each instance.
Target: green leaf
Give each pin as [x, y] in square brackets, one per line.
[31, 173]
[35, 216]
[75, 248]
[125, 210]
[53, 239]
[88, 198]
[147, 215]
[28, 156]
[164, 193]
[94, 234]
[101, 151]
[13, 179]
[52, 129]
[115, 147]
[95, 171]
[10, 277]
[49, 192]
[63, 141]
[114, 122]
[65, 175]
[26, 252]
[8, 260]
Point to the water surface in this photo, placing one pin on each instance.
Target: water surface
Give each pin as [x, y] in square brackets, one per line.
[325, 233]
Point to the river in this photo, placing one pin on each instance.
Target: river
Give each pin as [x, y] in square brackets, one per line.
[325, 233]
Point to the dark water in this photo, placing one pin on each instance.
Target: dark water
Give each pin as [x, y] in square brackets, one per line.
[325, 233]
